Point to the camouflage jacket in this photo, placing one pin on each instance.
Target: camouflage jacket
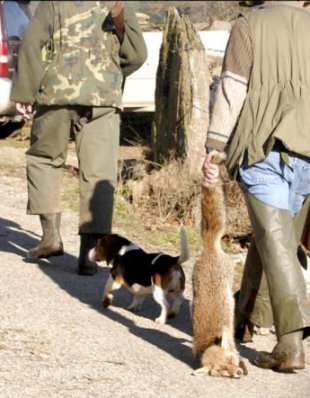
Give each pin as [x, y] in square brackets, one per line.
[86, 64]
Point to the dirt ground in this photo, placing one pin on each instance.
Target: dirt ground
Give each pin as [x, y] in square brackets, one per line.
[56, 341]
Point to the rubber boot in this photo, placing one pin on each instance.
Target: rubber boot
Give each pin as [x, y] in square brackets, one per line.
[287, 356]
[253, 307]
[275, 238]
[51, 243]
[88, 242]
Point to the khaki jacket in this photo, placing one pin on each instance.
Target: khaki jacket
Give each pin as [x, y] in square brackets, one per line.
[277, 104]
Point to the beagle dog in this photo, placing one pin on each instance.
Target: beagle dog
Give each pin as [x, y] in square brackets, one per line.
[143, 273]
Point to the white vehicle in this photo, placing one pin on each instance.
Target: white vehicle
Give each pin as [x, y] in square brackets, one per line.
[139, 91]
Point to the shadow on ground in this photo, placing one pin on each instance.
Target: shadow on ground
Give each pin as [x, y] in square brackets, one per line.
[63, 271]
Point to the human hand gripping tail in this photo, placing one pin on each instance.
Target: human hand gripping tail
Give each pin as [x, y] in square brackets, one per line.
[210, 169]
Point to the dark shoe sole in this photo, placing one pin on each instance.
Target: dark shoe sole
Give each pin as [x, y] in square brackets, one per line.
[282, 368]
[87, 272]
[86, 267]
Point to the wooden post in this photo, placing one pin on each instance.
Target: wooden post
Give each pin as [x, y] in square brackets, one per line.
[182, 95]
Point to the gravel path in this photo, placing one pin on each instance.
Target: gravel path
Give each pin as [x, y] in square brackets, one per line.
[57, 342]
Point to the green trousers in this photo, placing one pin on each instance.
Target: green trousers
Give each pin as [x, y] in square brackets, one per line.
[273, 288]
[96, 133]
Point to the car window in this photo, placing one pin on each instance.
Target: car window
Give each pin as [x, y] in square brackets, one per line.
[15, 18]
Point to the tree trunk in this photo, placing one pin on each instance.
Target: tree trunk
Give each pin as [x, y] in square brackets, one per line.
[182, 95]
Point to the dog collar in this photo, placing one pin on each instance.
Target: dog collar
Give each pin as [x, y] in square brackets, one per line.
[128, 248]
[156, 258]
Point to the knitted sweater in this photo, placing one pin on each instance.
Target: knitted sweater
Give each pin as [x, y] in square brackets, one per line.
[232, 88]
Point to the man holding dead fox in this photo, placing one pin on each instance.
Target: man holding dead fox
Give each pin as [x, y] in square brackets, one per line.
[261, 119]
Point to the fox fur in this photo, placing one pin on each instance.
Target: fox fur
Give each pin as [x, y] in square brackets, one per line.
[213, 303]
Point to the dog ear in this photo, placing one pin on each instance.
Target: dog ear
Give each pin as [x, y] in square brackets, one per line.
[243, 367]
[101, 248]
[109, 246]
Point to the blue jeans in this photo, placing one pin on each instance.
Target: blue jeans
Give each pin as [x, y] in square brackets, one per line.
[275, 183]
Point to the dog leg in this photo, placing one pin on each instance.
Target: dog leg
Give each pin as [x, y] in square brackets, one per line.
[201, 371]
[110, 286]
[136, 302]
[237, 368]
[160, 298]
[228, 342]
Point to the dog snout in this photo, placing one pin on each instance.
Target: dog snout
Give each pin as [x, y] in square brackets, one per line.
[234, 371]
[243, 368]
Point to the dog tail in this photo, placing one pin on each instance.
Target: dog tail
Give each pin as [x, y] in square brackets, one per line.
[184, 256]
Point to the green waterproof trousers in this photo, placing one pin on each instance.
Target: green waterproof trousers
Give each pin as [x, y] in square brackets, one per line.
[273, 289]
[253, 299]
[96, 134]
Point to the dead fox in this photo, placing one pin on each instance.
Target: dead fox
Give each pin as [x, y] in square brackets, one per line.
[213, 303]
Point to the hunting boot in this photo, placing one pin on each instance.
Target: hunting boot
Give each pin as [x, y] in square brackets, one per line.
[275, 238]
[253, 307]
[287, 356]
[88, 242]
[51, 243]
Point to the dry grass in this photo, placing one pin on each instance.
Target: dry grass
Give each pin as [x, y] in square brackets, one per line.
[167, 191]
[168, 194]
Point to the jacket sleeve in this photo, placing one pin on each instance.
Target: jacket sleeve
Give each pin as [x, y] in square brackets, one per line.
[30, 68]
[133, 51]
[232, 88]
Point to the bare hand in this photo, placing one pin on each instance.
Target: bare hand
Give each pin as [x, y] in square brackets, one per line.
[24, 109]
[210, 170]
[117, 8]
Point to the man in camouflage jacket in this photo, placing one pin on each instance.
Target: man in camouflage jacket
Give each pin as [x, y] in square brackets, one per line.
[71, 69]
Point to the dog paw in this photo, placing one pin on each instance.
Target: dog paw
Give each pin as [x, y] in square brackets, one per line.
[200, 371]
[134, 308]
[106, 302]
